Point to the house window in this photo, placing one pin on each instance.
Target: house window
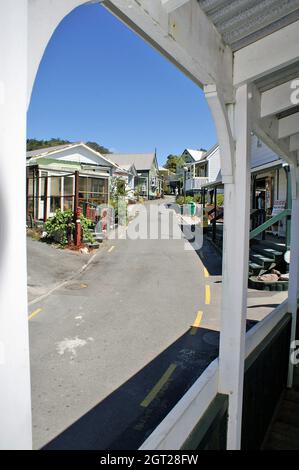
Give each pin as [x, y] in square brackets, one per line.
[55, 199]
[93, 190]
[68, 199]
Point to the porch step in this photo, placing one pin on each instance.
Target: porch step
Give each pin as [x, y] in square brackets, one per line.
[267, 263]
[269, 244]
[269, 253]
[255, 269]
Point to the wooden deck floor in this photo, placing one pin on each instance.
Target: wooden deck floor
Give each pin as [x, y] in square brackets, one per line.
[284, 432]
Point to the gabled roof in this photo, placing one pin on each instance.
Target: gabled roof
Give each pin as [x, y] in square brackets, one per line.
[142, 161]
[130, 168]
[206, 156]
[211, 151]
[50, 151]
[197, 155]
[44, 151]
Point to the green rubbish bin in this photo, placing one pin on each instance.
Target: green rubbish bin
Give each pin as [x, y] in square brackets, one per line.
[192, 208]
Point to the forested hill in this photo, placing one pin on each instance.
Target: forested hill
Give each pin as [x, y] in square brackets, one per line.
[34, 144]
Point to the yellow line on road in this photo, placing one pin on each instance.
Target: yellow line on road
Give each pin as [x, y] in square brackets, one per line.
[196, 324]
[159, 385]
[36, 312]
[111, 249]
[208, 295]
[206, 272]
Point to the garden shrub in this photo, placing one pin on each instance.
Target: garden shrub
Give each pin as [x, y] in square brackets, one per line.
[58, 226]
[220, 199]
[86, 224]
[197, 198]
[179, 200]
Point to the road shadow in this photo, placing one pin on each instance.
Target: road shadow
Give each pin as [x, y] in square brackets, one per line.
[209, 256]
[120, 422]
[124, 419]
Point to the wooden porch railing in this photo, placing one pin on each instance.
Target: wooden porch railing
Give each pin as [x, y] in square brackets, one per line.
[258, 230]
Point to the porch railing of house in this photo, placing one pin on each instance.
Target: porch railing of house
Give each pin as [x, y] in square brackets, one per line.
[199, 420]
[215, 215]
[196, 183]
[269, 223]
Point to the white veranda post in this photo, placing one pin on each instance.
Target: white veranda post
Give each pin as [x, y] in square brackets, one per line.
[294, 261]
[15, 406]
[235, 268]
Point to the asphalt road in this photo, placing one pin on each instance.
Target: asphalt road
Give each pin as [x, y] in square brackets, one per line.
[114, 349]
[48, 267]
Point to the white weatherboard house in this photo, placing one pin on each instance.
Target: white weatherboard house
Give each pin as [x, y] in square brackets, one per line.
[206, 169]
[245, 58]
[192, 155]
[128, 174]
[51, 179]
[268, 174]
[148, 181]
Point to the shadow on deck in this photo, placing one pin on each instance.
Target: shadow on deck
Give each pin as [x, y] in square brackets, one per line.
[284, 431]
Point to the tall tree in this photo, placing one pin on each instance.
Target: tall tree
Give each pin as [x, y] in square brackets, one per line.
[35, 144]
[173, 162]
[98, 148]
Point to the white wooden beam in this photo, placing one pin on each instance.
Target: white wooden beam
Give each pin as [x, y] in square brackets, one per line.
[288, 126]
[198, 51]
[235, 272]
[43, 18]
[220, 112]
[267, 129]
[294, 142]
[277, 99]
[15, 406]
[171, 5]
[275, 51]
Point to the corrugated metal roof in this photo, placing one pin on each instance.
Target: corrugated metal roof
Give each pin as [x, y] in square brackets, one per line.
[242, 22]
[278, 77]
[44, 151]
[142, 161]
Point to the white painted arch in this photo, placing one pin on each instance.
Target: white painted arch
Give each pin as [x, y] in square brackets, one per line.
[43, 19]
[30, 25]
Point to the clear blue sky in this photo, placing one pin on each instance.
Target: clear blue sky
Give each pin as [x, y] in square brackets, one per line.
[98, 81]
